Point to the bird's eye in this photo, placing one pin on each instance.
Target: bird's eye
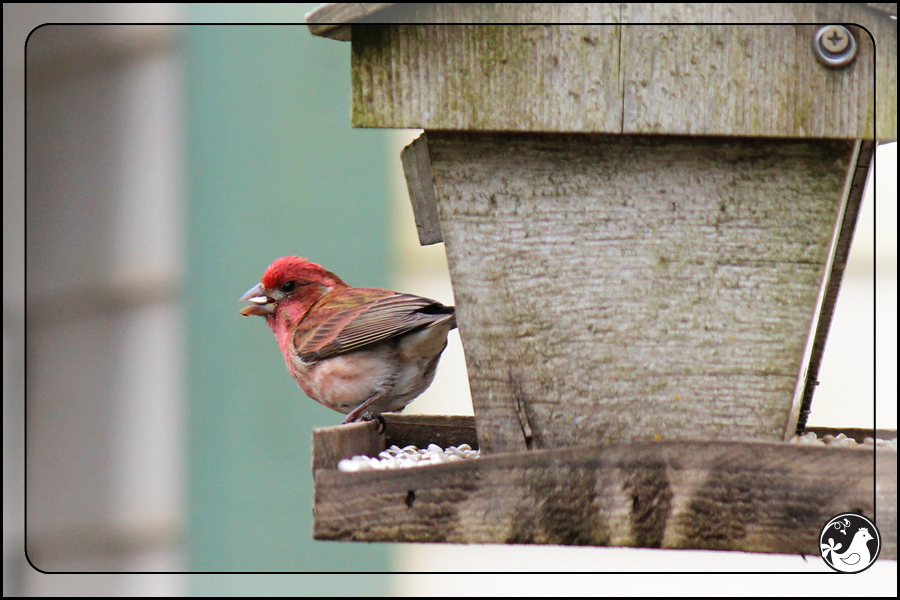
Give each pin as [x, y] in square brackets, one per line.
[288, 287]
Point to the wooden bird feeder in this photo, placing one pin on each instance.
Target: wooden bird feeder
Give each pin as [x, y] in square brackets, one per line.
[646, 228]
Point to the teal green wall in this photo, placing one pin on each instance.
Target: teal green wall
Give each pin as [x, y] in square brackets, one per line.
[273, 169]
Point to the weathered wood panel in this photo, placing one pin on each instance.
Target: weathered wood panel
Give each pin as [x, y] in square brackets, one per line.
[422, 430]
[331, 444]
[880, 32]
[517, 77]
[417, 170]
[326, 18]
[620, 288]
[726, 496]
[622, 76]
[759, 80]
[752, 497]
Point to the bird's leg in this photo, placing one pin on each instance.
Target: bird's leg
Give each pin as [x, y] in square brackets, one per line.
[359, 410]
[379, 420]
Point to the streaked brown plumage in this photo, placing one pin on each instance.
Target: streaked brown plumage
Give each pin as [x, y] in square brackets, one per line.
[354, 350]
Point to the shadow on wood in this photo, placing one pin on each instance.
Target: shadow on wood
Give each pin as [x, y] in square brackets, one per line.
[752, 497]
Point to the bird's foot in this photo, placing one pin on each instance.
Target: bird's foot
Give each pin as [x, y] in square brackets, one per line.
[368, 416]
[379, 420]
[361, 411]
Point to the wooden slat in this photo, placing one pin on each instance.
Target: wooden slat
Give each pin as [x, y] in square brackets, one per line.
[824, 87]
[334, 443]
[420, 182]
[726, 80]
[331, 444]
[752, 497]
[621, 76]
[614, 288]
[331, 20]
[422, 430]
[847, 226]
[488, 77]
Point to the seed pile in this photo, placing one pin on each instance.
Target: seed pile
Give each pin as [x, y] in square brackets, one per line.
[407, 457]
[842, 441]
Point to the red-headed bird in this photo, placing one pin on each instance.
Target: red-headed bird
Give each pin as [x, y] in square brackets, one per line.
[354, 350]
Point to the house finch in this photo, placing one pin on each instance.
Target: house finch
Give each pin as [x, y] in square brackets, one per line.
[354, 350]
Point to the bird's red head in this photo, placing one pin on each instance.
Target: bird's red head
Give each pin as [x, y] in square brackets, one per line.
[297, 269]
[289, 280]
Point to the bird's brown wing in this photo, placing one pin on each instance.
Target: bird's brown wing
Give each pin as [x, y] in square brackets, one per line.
[360, 317]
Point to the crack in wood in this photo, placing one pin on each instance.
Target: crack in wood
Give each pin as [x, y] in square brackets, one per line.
[518, 394]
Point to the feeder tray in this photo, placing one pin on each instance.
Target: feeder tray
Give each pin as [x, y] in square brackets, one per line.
[747, 496]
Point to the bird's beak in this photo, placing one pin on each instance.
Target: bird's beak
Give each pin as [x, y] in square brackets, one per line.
[262, 301]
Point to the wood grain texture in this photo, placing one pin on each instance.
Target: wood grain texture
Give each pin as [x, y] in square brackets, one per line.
[331, 444]
[422, 430]
[619, 75]
[755, 80]
[752, 497]
[888, 8]
[517, 77]
[420, 183]
[886, 500]
[620, 288]
[329, 16]
[850, 91]
[733, 496]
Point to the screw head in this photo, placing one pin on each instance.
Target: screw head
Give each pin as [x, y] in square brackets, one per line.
[834, 45]
[835, 39]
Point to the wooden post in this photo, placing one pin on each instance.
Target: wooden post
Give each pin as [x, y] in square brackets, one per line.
[646, 228]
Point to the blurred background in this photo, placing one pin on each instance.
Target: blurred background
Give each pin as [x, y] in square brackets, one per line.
[167, 166]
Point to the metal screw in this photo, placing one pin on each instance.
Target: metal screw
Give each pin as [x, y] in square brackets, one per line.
[834, 39]
[834, 45]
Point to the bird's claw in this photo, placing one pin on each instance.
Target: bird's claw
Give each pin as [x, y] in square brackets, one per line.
[379, 420]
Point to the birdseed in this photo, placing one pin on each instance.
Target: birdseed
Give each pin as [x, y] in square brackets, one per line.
[408, 457]
[842, 441]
